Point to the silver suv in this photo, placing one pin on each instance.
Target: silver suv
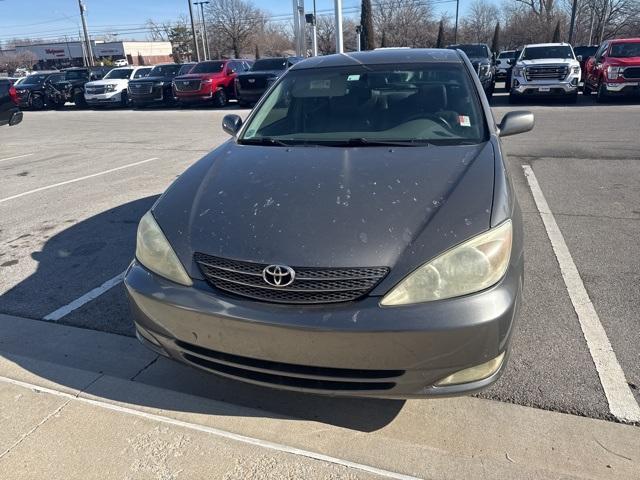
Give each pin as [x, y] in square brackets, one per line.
[546, 69]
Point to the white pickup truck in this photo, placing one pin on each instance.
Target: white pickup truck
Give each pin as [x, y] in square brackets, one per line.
[112, 89]
[546, 69]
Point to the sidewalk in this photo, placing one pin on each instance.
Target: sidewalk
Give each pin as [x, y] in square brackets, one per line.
[70, 409]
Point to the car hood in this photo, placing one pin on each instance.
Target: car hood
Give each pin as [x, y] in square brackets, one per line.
[480, 60]
[624, 61]
[152, 79]
[548, 61]
[198, 76]
[262, 73]
[325, 207]
[107, 81]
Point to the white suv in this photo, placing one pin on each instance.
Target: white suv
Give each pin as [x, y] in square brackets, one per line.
[112, 89]
[546, 69]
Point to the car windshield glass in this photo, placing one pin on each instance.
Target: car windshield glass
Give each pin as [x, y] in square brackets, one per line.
[585, 51]
[507, 55]
[35, 79]
[117, 73]
[208, 67]
[474, 50]
[269, 64]
[559, 51]
[186, 68]
[621, 50]
[164, 71]
[369, 104]
[76, 74]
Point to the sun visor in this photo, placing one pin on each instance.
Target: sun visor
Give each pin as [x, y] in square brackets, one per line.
[320, 86]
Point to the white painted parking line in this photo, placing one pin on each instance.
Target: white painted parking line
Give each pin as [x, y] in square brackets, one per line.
[18, 156]
[622, 403]
[211, 430]
[6, 199]
[86, 298]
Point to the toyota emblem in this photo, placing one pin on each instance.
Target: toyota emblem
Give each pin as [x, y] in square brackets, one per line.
[278, 275]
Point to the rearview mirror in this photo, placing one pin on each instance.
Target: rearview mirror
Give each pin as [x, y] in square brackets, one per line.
[231, 124]
[516, 122]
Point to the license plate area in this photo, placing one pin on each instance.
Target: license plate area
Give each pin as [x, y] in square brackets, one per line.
[544, 89]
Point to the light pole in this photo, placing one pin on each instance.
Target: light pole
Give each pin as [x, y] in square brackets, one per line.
[358, 36]
[338, 10]
[311, 20]
[455, 32]
[193, 32]
[205, 39]
[83, 8]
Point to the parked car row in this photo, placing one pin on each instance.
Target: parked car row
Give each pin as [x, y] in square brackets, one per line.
[556, 69]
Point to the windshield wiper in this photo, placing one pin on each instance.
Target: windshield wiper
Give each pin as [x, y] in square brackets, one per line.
[368, 142]
[267, 141]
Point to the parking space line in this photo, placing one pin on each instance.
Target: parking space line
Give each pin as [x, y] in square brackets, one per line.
[67, 182]
[211, 430]
[86, 298]
[622, 403]
[18, 156]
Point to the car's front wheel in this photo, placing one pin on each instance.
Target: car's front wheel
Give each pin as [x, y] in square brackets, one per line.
[79, 100]
[602, 95]
[37, 102]
[220, 99]
[124, 99]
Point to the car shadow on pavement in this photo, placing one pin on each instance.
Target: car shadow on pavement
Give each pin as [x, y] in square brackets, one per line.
[85, 255]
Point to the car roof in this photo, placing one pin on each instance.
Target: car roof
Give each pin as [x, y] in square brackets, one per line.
[625, 40]
[559, 44]
[381, 57]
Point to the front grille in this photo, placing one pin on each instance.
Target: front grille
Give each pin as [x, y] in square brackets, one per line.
[311, 285]
[288, 374]
[546, 73]
[141, 88]
[95, 90]
[253, 83]
[187, 85]
[631, 73]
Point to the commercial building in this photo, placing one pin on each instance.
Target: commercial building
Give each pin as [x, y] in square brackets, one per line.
[72, 53]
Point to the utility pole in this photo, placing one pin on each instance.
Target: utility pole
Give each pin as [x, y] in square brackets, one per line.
[205, 39]
[86, 33]
[338, 9]
[193, 32]
[455, 32]
[574, 8]
[85, 61]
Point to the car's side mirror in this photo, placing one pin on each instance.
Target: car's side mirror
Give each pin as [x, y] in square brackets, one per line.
[579, 58]
[231, 124]
[516, 122]
[511, 61]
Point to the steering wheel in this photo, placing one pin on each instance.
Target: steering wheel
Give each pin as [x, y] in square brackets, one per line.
[432, 116]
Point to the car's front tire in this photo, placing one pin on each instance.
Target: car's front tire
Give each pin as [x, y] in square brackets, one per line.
[573, 98]
[220, 98]
[124, 99]
[37, 102]
[602, 96]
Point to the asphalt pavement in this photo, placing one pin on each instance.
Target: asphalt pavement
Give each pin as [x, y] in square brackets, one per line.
[73, 185]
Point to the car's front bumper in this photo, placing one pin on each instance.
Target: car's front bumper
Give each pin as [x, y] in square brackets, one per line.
[623, 88]
[355, 349]
[111, 98]
[521, 86]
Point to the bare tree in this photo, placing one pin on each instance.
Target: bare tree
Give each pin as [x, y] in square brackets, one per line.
[22, 59]
[478, 25]
[234, 23]
[157, 31]
[274, 39]
[404, 23]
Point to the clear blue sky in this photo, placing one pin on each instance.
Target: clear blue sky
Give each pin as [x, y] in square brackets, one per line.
[52, 18]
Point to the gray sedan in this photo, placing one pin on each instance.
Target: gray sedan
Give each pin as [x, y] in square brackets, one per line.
[357, 235]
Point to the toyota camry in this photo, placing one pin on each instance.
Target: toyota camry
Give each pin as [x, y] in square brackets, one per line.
[358, 234]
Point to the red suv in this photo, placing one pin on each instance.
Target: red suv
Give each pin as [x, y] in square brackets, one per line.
[209, 81]
[614, 69]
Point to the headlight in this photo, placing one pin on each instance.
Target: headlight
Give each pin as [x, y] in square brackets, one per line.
[155, 253]
[484, 71]
[111, 87]
[518, 71]
[614, 72]
[158, 84]
[575, 69]
[469, 267]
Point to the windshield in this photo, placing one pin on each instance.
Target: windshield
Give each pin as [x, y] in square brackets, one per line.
[623, 50]
[365, 104]
[118, 73]
[186, 68]
[76, 74]
[208, 67]
[559, 51]
[474, 50]
[35, 79]
[164, 71]
[507, 54]
[269, 64]
[585, 51]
